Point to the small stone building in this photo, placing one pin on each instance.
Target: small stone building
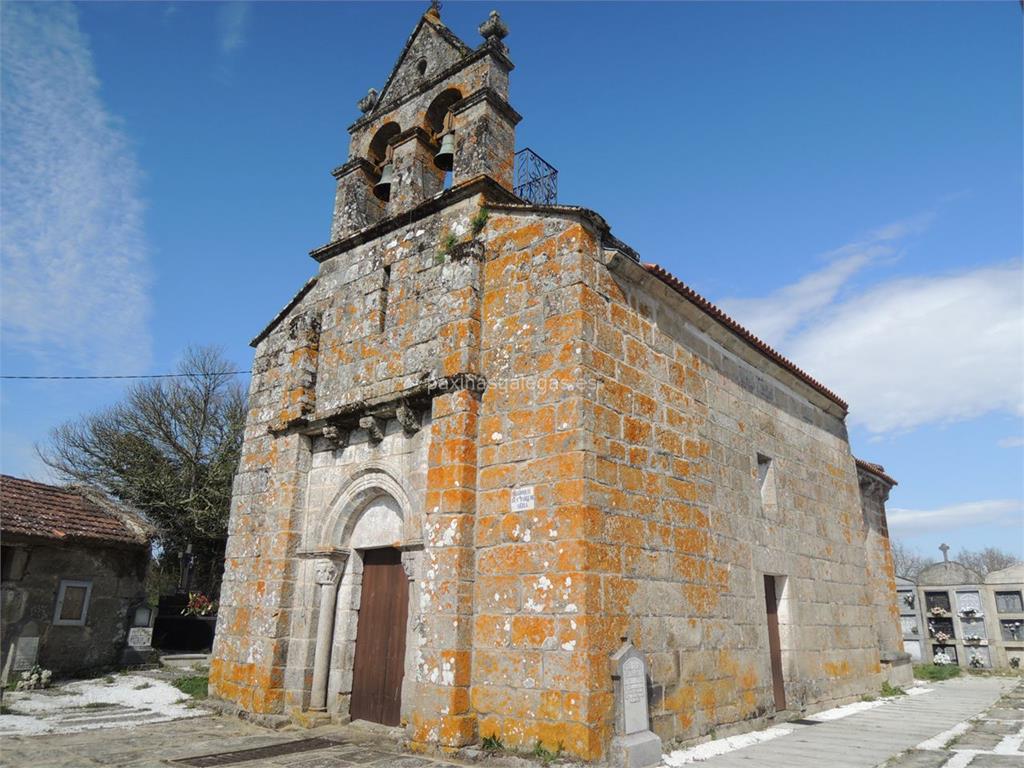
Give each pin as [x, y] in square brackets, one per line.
[486, 442]
[976, 621]
[73, 565]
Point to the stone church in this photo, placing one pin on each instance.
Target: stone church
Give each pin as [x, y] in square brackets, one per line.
[487, 442]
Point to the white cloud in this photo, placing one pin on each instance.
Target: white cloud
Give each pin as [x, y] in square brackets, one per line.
[920, 350]
[75, 276]
[234, 20]
[995, 511]
[1011, 442]
[902, 352]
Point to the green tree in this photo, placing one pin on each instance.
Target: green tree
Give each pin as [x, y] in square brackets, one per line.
[170, 449]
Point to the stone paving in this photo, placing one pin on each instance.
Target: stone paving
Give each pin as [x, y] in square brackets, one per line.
[940, 729]
[973, 722]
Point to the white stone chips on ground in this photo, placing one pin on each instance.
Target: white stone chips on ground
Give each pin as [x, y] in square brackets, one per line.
[718, 747]
[722, 746]
[90, 704]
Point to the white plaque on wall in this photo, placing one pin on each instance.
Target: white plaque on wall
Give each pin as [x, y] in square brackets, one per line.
[522, 499]
[140, 637]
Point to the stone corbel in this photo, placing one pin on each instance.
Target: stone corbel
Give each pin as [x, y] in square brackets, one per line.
[374, 427]
[408, 419]
[336, 437]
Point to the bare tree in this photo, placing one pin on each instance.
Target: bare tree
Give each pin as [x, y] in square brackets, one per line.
[170, 448]
[907, 562]
[986, 560]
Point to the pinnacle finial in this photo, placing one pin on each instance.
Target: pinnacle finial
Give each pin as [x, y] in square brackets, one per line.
[368, 102]
[945, 552]
[494, 28]
[435, 8]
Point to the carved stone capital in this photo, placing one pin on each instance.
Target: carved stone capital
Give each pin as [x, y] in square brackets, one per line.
[411, 559]
[328, 572]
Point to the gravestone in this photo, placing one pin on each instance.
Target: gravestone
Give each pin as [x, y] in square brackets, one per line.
[139, 650]
[635, 745]
[26, 651]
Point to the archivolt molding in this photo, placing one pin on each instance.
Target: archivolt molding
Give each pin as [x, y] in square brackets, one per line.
[371, 481]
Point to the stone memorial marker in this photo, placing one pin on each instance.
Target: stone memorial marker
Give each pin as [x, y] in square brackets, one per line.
[635, 745]
[26, 651]
[140, 637]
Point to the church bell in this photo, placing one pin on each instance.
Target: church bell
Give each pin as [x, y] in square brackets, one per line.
[382, 189]
[445, 157]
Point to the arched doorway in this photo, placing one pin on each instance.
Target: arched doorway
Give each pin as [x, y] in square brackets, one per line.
[382, 609]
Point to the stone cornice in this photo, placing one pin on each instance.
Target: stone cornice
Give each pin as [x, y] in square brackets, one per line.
[352, 165]
[484, 185]
[348, 417]
[492, 97]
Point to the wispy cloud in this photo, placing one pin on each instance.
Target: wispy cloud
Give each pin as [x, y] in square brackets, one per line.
[1011, 442]
[775, 316]
[75, 268]
[904, 352]
[234, 21]
[1009, 512]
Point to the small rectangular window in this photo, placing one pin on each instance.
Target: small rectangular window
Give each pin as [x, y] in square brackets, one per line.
[72, 603]
[1009, 602]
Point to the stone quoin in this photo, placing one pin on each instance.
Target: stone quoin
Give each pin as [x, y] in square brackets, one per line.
[486, 442]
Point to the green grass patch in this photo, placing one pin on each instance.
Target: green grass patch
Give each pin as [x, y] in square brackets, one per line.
[6, 710]
[892, 690]
[142, 686]
[936, 672]
[492, 744]
[196, 686]
[545, 755]
[479, 221]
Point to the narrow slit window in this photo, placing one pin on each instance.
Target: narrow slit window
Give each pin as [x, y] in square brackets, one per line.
[385, 284]
[766, 480]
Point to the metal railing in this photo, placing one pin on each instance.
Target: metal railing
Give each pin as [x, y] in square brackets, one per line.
[535, 180]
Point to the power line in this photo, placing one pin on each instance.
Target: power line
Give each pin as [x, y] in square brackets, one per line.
[135, 376]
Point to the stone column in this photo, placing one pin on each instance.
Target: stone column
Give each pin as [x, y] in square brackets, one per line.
[328, 573]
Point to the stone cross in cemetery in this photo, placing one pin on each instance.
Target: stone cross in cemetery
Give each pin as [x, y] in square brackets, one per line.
[635, 745]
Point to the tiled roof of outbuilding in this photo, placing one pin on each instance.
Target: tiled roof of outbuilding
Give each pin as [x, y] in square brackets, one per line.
[28, 508]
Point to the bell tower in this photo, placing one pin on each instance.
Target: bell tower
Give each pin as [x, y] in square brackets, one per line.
[443, 110]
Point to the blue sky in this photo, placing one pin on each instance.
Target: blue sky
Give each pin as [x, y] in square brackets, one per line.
[844, 178]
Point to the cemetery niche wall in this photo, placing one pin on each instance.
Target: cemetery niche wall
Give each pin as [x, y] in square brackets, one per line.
[73, 565]
[976, 622]
[486, 442]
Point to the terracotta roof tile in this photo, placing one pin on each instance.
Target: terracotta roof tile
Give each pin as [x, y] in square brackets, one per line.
[876, 469]
[29, 508]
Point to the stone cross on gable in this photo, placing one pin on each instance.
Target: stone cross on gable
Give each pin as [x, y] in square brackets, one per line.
[945, 552]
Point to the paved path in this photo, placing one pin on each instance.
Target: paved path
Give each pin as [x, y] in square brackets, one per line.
[885, 735]
[879, 736]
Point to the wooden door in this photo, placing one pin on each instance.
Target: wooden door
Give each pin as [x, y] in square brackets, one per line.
[774, 645]
[380, 639]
